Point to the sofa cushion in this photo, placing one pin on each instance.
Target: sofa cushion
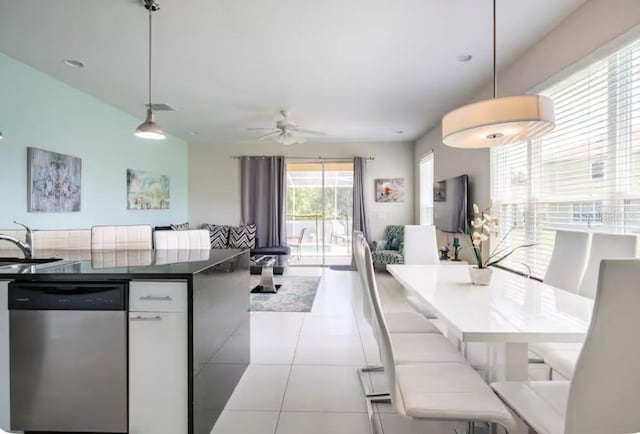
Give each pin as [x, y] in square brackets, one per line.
[271, 250]
[387, 257]
[180, 226]
[242, 237]
[218, 235]
[196, 239]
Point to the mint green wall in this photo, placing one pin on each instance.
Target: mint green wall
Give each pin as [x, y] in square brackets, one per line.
[40, 111]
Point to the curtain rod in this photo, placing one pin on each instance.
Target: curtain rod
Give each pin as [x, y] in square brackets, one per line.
[238, 157]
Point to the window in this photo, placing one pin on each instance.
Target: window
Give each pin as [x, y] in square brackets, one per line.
[587, 212]
[426, 190]
[597, 170]
[583, 175]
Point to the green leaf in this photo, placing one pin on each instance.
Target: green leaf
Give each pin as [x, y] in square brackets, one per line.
[497, 261]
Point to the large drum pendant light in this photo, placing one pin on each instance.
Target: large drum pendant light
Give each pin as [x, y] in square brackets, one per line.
[149, 129]
[498, 121]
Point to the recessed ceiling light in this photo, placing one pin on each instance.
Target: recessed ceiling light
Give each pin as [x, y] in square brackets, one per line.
[399, 132]
[194, 133]
[73, 63]
[464, 57]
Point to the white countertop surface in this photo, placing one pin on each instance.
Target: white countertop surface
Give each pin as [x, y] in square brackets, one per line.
[511, 309]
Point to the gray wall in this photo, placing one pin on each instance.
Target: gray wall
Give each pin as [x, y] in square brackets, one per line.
[594, 29]
[214, 177]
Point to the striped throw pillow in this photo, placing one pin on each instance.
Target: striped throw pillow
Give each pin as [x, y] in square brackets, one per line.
[180, 226]
[218, 235]
[242, 237]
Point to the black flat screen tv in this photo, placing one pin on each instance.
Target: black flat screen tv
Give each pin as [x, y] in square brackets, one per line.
[451, 204]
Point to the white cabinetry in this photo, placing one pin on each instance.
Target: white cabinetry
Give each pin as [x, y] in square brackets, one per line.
[158, 349]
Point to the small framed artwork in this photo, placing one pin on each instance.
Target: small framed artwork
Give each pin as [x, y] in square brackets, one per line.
[390, 190]
[440, 191]
[146, 190]
[54, 181]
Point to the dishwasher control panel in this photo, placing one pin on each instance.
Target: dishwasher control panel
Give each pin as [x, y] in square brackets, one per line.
[68, 296]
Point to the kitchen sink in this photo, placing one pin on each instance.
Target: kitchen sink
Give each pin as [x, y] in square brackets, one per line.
[24, 261]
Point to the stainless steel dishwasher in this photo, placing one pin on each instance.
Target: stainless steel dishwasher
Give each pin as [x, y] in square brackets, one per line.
[68, 356]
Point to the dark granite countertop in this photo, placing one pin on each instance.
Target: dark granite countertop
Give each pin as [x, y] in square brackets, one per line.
[130, 264]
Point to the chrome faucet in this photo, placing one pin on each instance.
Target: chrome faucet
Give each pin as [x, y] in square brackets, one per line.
[27, 246]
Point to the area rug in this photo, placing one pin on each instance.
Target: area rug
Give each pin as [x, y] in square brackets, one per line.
[341, 268]
[295, 295]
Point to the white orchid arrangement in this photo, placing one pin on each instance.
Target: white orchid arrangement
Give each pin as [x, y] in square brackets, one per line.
[483, 226]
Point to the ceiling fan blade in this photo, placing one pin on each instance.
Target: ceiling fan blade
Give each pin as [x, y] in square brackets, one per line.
[308, 132]
[269, 134]
[260, 129]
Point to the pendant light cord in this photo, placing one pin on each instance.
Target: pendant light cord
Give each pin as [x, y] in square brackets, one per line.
[495, 69]
[150, 39]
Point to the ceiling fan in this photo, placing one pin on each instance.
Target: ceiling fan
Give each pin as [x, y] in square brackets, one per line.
[286, 132]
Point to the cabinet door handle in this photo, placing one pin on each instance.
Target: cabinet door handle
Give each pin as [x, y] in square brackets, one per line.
[156, 298]
[146, 318]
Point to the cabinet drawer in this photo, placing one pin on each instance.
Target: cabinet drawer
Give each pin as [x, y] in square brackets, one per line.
[158, 296]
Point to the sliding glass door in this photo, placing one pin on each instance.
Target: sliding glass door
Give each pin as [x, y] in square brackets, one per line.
[319, 211]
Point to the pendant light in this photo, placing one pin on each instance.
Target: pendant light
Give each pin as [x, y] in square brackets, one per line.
[498, 121]
[149, 129]
[1, 136]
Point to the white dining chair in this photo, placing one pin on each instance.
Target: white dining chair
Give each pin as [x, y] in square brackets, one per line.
[420, 245]
[413, 331]
[563, 361]
[420, 248]
[132, 237]
[562, 357]
[568, 260]
[72, 239]
[604, 246]
[431, 390]
[399, 322]
[565, 271]
[193, 239]
[593, 402]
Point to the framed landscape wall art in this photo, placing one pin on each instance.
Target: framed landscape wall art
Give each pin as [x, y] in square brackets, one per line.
[146, 190]
[54, 181]
[390, 190]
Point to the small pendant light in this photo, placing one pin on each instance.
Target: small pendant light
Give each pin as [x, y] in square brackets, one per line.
[498, 121]
[149, 129]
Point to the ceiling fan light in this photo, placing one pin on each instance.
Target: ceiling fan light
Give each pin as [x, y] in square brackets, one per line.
[498, 121]
[149, 129]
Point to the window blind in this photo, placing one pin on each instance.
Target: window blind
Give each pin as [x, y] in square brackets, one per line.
[585, 174]
[426, 190]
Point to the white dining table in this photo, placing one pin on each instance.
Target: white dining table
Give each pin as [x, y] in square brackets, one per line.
[507, 315]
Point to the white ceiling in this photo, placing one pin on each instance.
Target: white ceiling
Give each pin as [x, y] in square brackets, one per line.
[356, 69]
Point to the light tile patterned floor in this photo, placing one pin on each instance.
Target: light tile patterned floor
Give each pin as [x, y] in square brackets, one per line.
[303, 377]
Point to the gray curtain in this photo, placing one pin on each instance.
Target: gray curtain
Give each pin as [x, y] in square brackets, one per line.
[360, 222]
[263, 195]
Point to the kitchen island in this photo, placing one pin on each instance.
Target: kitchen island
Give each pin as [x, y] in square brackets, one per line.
[183, 327]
